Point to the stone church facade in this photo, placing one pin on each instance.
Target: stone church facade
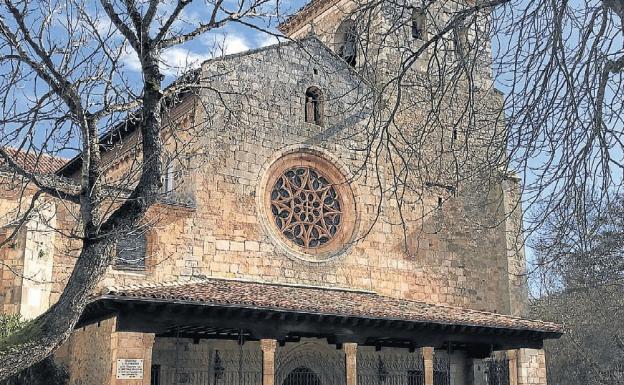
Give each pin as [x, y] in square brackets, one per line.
[271, 257]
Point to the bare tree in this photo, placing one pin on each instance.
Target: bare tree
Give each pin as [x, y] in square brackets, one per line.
[63, 83]
[581, 284]
[436, 120]
[560, 65]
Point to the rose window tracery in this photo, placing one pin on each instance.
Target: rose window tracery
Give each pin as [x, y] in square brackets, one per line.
[306, 207]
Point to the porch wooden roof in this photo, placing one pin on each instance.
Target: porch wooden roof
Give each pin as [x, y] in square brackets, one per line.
[326, 301]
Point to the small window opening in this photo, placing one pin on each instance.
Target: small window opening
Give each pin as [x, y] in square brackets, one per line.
[462, 39]
[419, 23]
[169, 178]
[314, 106]
[455, 133]
[346, 42]
[439, 202]
[131, 250]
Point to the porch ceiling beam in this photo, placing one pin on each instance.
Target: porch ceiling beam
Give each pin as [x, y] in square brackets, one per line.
[144, 316]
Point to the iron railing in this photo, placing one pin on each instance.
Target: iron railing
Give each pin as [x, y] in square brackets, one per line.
[309, 364]
[497, 371]
[441, 371]
[383, 368]
[226, 367]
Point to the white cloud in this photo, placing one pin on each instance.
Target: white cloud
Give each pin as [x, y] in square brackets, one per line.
[130, 60]
[264, 39]
[225, 44]
[176, 60]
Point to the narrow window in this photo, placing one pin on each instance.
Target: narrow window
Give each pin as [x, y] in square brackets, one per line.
[314, 106]
[346, 42]
[131, 250]
[419, 23]
[462, 39]
[169, 179]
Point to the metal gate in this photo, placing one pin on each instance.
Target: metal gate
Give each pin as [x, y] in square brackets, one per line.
[441, 371]
[309, 363]
[382, 368]
[497, 371]
[302, 376]
[226, 367]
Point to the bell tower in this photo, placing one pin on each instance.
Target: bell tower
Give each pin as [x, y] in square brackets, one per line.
[332, 22]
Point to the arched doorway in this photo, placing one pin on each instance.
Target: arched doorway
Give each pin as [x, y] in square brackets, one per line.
[302, 376]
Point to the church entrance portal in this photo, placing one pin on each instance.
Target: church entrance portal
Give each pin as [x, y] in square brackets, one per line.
[302, 376]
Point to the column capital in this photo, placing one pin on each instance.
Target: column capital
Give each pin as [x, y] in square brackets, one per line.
[350, 348]
[427, 353]
[268, 345]
[512, 354]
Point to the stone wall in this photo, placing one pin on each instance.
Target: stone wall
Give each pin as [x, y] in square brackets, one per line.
[454, 254]
[92, 353]
[27, 260]
[87, 354]
[531, 367]
[12, 256]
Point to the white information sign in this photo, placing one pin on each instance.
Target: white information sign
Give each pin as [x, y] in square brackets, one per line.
[129, 369]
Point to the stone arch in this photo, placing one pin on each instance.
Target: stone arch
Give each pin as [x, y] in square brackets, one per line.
[314, 106]
[323, 360]
[302, 376]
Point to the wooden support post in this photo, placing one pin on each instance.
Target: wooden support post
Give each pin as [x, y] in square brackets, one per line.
[512, 357]
[427, 353]
[350, 350]
[268, 347]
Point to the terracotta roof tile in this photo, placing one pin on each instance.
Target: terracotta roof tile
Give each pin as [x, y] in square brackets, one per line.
[318, 300]
[36, 162]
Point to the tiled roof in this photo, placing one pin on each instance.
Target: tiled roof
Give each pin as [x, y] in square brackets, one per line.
[317, 300]
[36, 162]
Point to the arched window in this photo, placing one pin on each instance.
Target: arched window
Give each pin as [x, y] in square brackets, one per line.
[314, 106]
[346, 42]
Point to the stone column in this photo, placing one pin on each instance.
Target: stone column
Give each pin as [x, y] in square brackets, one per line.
[512, 357]
[268, 347]
[427, 353]
[130, 348]
[350, 349]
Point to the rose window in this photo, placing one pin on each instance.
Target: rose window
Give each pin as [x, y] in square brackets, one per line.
[306, 207]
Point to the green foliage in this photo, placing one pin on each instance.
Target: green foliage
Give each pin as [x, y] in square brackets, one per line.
[46, 372]
[9, 323]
